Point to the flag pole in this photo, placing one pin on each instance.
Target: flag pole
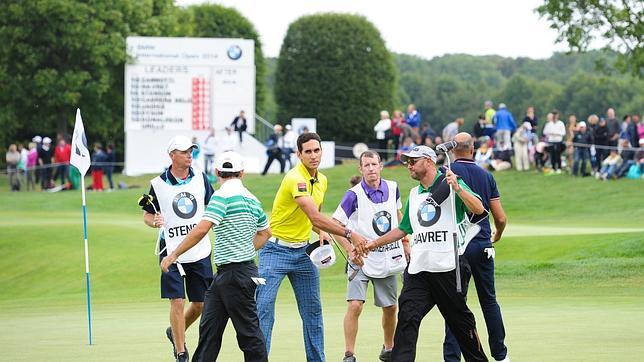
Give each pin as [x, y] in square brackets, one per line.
[89, 304]
[80, 158]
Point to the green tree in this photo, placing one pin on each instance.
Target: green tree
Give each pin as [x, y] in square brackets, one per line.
[586, 94]
[216, 21]
[619, 24]
[335, 68]
[57, 55]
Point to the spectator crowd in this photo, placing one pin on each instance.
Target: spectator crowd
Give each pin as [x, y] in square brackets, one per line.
[602, 147]
[45, 166]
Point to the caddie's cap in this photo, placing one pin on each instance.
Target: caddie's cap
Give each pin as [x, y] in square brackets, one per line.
[321, 256]
[36, 139]
[419, 152]
[229, 161]
[181, 143]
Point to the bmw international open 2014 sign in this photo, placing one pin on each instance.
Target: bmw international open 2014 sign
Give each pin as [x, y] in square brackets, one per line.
[183, 86]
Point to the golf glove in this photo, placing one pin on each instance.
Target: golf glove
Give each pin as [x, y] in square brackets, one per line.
[490, 252]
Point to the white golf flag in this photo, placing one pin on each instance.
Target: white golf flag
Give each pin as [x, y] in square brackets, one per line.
[80, 154]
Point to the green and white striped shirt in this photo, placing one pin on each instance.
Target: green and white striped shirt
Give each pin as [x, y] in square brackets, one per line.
[236, 215]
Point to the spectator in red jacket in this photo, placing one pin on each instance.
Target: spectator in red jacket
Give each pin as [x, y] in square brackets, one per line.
[62, 154]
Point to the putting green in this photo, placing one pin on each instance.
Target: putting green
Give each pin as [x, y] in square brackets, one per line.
[570, 277]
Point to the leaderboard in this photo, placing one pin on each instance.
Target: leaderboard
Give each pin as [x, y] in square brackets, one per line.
[169, 97]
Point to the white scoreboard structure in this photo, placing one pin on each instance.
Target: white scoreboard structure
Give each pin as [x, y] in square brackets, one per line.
[183, 86]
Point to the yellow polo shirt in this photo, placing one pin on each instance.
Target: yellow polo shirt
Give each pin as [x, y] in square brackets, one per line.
[288, 221]
[489, 114]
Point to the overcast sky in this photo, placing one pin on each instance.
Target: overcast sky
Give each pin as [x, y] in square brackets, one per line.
[426, 28]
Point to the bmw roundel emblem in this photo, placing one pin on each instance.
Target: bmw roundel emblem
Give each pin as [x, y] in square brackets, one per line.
[428, 214]
[184, 205]
[381, 222]
[234, 52]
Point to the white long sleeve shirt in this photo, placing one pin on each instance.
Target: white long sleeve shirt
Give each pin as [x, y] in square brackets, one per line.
[554, 131]
[381, 127]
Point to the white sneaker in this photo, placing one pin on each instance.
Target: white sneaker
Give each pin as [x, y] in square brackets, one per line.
[558, 171]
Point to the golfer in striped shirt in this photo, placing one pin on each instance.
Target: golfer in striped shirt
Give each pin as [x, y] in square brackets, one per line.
[241, 228]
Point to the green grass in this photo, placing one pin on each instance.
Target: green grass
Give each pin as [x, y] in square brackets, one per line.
[569, 276]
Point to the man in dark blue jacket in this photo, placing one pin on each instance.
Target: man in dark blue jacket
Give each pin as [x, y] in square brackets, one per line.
[480, 251]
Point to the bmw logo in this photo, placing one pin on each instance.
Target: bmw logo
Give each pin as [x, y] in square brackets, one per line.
[184, 205]
[381, 222]
[234, 52]
[428, 214]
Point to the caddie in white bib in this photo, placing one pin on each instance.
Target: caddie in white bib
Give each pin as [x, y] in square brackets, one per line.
[373, 220]
[181, 212]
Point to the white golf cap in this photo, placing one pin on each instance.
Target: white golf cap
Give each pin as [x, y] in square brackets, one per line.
[181, 143]
[229, 161]
[420, 152]
[36, 139]
[46, 140]
[322, 256]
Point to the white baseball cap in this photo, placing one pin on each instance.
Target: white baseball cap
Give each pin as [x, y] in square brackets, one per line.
[36, 139]
[46, 140]
[322, 256]
[181, 143]
[420, 152]
[229, 161]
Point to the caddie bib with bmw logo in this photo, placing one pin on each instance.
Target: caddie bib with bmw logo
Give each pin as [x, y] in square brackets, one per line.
[182, 208]
[374, 220]
[432, 243]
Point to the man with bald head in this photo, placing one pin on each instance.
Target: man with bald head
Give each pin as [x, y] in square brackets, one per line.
[480, 251]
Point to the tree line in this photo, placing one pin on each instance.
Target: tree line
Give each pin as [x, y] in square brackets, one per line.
[57, 55]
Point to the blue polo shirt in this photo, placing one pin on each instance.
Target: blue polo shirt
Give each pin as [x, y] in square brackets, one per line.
[481, 182]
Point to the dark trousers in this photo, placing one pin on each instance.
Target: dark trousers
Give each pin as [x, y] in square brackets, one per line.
[382, 145]
[231, 296]
[419, 295]
[582, 155]
[45, 176]
[61, 172]
[482, 270]
[600, 156]
[555, 155]
[108, 173]
[274, 156]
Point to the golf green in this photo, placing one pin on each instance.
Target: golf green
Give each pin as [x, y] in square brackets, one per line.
[570, 276]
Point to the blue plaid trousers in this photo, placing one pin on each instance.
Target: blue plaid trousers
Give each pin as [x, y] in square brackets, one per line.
[275, 262]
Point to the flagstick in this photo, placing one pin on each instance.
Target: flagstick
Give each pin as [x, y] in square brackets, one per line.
[89, 305]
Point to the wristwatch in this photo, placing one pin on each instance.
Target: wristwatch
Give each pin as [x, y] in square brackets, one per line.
[347, 233]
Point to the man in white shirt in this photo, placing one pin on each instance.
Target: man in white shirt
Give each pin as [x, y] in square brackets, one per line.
[555, 130]
[290, 139]
[209, 145]
[228, 141]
